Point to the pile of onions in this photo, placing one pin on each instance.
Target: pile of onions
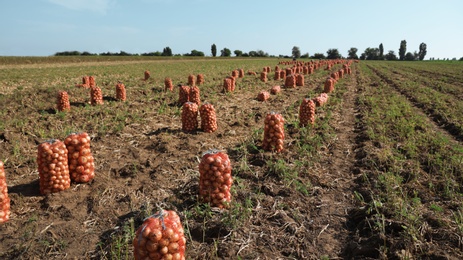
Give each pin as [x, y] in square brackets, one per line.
[120, 92]
[168, 84]
[275, 90]
[194, 95]
[250, 72]
[200, 79]
[274, 132]
[189, 117]
[282, 74]
[4, 199]
[80, 158]
[289, 71]
[329, 85]
[335, 76]
[321, 99]
[96, 96]
[208, 118]
[263, 76]
[300, 80]
[161, 236]
[62, 101]
[277, 68]
[229, 84]
[277, 75]
[91, 81]
[191, 80]
[305, 70]
[341, 73]
[183, 94]
[52, 160]
[306, 112]
[241, 73]
[235, 73]
[290, 81]
[311, 69]
[263, 95]
[147, 75]
[267, 69]
[215, 179]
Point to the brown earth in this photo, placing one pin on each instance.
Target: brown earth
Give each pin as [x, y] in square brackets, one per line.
[156, 164]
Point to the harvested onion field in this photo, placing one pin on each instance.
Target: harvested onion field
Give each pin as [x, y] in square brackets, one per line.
[378, 175]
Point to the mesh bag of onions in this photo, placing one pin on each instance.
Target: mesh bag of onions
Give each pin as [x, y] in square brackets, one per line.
[263, 95]
[329, 85]
[91, 81]
[228, 84]
[96, 96]
[168, 84]
[4, 199]
[306, 112]
[191, 80]
[263, 76]
[300, 80]
[235, 73]
[52, 160]
[189, 117]
[282, 74]
[274, 132]
[161, 236]
[62, 102]
[194, 95]
[277, 75]
[208, 118]
[80, 158]
[199, 79]
[275, 90]
[120, 92]
[290, 81]
[215, 179]
[240, 73]
[183, 94]
[147, 75]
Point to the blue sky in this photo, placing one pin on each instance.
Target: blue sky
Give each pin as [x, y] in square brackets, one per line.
[44, 27]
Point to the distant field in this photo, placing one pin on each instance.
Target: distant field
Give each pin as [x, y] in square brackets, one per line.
[379, 174]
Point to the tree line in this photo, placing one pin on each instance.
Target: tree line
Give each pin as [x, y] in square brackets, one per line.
[333, 53]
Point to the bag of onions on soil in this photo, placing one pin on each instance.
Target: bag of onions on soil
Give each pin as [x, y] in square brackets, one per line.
[215, 179]
[120, 92]
[189, 116]
[208, 118]
[52, 160]
[62, 101]
[274, 132]
[161, 236]
[80, 158]
[4, 199]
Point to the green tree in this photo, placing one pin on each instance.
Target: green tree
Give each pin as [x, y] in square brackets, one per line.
[167, 51]
[391, 55]
[296, 52]
[422, 51]
[318, 56]
[225, 52]
[352, 53]
[402, 49]
[333, 54]
[381, 52]
[370, 54]
[238, 53]
[409, 56]
[214, 50]
[195, 53]
[305, 56]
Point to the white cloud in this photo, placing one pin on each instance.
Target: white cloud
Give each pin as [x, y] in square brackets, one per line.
[99, 6]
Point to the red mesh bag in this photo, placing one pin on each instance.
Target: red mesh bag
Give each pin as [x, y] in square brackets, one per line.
[161, 236]
[282, 74]
[168, 84]
[200, 79]
[277, 75]
[62, 102]
[80, 158]
[300, 80]
[275, 90]
[215, 179]
[321, 99]
[263, 96]
[191, 80]
[274, 132]
[183, 94]
[235, 73]
[229, 84]
[147, 75]
[306, 112]
[96, 96]
[194, 95]
[52, 160]
[4, 199]
[120, 92]
[91, 81]
[290, 81]
[329, 85]
[263, 76]
[241, 73]
[189, 117]
[208, 118]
